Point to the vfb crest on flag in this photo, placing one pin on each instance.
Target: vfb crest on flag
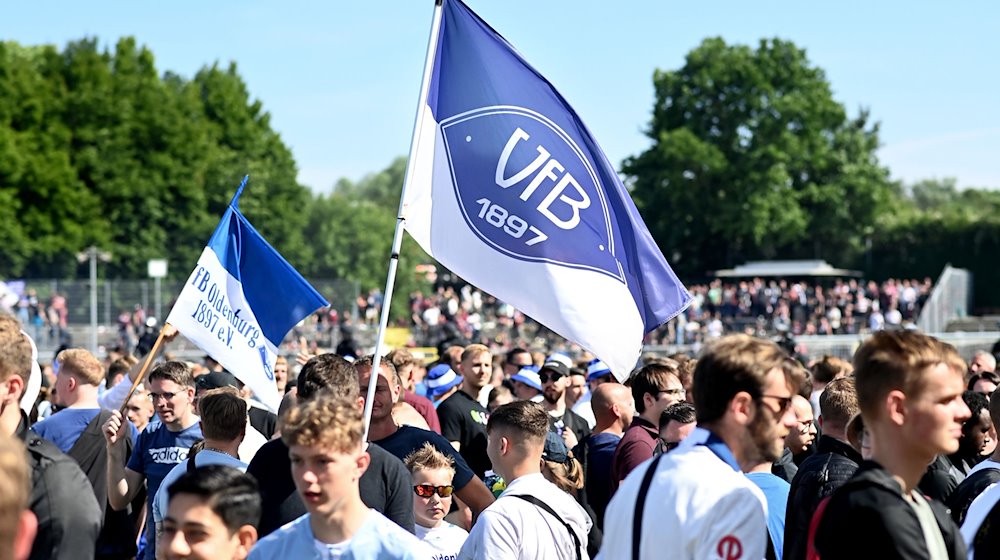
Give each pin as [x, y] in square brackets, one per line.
[544, 202]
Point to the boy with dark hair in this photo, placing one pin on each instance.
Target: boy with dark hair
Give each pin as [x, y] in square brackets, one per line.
[224, 424]
[654, 387]
[909, 388]
[212, 515]
[676, 423]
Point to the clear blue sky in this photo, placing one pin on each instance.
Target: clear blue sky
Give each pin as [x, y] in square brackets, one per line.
[340, 79]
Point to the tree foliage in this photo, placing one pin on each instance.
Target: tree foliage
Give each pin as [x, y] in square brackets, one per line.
[752, 157]
[353, 229]
[98, 148]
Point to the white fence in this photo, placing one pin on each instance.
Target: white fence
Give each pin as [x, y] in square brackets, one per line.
[948, 301]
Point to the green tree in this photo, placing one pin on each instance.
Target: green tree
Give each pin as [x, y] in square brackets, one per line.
[241, 141]
[54, 214]
[752, 157]
[352, 232]
[98, 148]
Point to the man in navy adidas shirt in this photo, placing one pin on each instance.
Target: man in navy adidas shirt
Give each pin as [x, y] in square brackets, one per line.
[171, 388]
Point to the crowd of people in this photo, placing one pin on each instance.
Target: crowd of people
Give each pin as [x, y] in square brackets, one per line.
[455, 312]
[46, 318]
[740, 452]
[767, 307]
[458, 313]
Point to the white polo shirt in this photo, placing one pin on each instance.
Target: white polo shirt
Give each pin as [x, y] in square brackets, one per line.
[699, 506]
[513, 528]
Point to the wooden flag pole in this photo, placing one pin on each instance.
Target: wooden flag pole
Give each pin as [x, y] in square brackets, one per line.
[145, 368]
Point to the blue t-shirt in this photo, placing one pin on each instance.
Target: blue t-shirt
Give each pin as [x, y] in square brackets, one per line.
[776, 492]
[203, 459]
[600, 454]
[377, 537]
[65, 427]
[408, 439]
[155, 454]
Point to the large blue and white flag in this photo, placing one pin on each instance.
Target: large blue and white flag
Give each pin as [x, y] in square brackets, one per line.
[510, 191]
[241, 301]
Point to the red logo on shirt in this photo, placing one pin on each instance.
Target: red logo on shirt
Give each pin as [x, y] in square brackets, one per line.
[730, 548]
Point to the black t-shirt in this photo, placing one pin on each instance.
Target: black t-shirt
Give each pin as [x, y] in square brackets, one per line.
[408, 439]
[463, 420]
[385, 486]
[264, 421]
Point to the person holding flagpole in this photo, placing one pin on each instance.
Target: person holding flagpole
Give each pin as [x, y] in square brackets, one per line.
[171, 388]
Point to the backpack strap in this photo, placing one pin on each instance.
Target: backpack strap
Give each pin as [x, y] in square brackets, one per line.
[770, 554]
[93, 429]
[546, 507]
[192, 453]
[640, 505]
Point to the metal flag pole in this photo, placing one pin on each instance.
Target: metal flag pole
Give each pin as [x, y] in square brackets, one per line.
[397, 238]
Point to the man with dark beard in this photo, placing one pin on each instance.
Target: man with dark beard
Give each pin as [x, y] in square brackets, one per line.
[694, 502]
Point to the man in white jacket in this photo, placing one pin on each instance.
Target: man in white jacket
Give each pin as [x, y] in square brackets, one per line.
[695, 501]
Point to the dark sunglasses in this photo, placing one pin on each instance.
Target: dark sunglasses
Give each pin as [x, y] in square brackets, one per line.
[428, 490]
[554, 376]
[784, 403]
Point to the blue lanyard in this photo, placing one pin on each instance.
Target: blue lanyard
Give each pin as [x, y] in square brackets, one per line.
[715, 444]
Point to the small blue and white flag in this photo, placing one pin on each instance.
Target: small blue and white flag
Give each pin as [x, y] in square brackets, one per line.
[241, 301]
[509, 190]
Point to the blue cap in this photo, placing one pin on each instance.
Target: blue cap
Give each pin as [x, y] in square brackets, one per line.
[529, 376]
[597, 368]
[555, 448]
[440, 379]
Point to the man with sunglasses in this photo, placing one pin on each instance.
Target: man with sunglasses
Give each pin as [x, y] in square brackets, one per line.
[171, 388]
[654, 387]
[695, 502]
